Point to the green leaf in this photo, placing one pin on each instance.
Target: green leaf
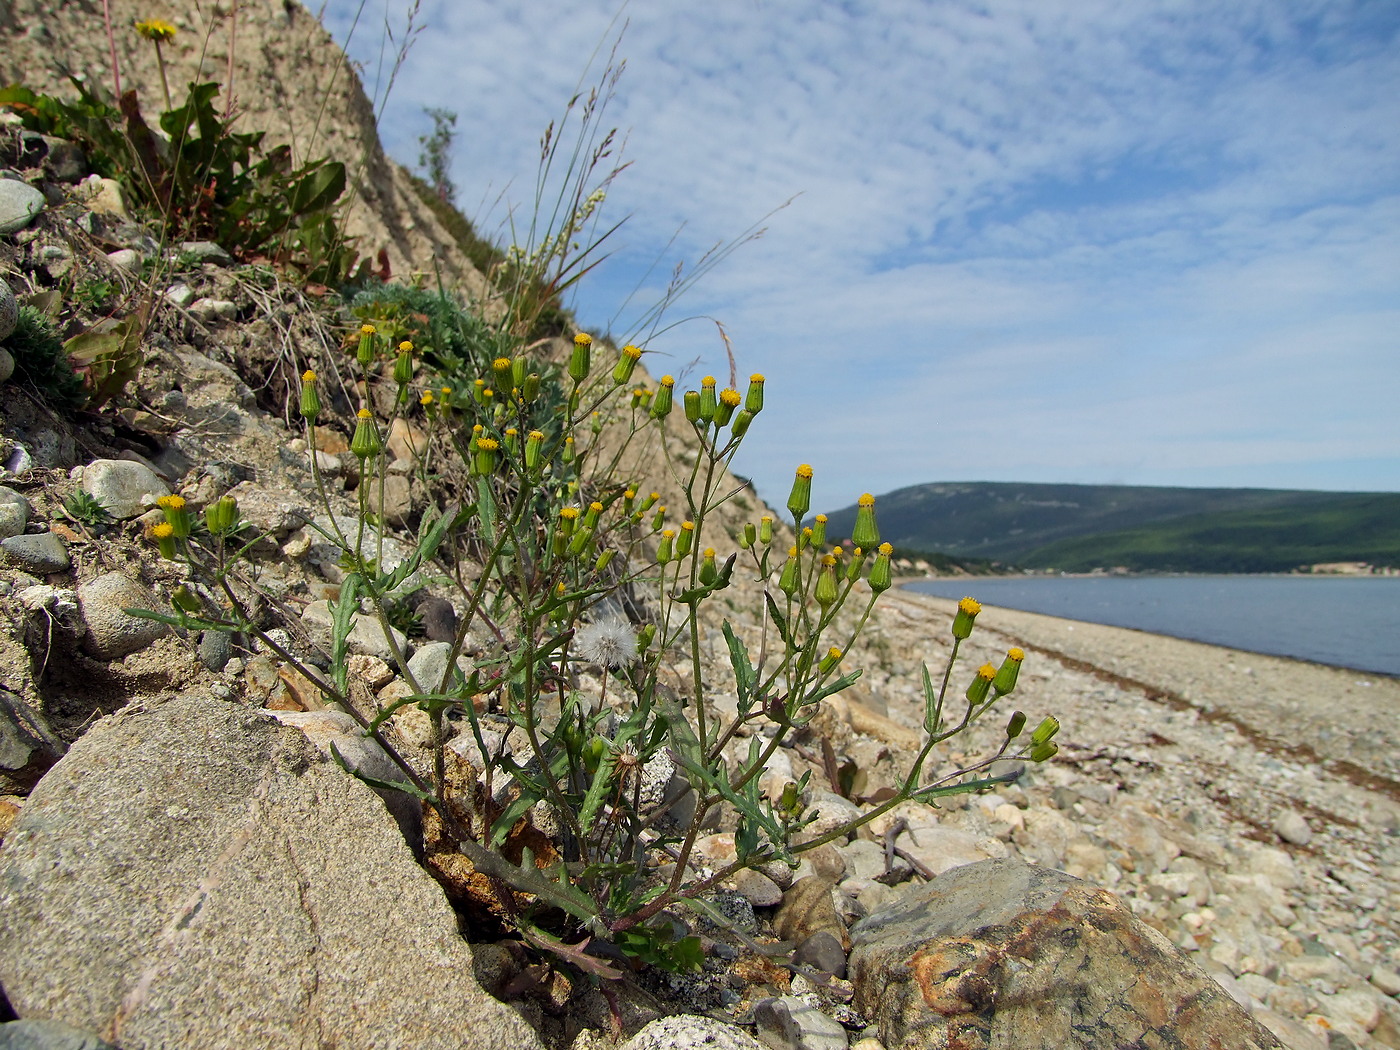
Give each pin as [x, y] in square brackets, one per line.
[779, 621]
[743, 670]
[318, 188]
[597, 791]
[342, 612]
[517, 809]
[931, 713]
[835, 686]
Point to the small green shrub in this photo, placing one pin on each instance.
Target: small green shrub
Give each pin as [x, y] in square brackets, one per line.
[200, 179]
[42, 362]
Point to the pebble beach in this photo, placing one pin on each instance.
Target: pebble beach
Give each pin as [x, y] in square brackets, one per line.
[1247, 806]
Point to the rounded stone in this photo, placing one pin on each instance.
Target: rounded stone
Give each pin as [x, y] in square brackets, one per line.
[111, 632]
[19, 204]
[125, 489]
[9, 313]
[14, 512]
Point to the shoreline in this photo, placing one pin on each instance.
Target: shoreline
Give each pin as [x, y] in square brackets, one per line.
[1336, 717]
[903, 583]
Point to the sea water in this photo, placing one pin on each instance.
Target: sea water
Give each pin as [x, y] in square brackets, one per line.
[1345, 621]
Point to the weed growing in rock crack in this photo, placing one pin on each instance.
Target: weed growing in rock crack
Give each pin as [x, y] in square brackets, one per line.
[83, 508]
[591, 758]
[573, 727]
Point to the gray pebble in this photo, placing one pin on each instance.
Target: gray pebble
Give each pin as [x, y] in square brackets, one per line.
[40, 554]
[19, 204]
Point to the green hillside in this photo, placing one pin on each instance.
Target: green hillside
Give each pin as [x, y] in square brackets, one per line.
[1076, 528]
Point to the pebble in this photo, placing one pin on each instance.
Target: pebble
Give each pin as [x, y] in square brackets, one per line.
[1292, 826]
[9, 310]
[111, 632]
[792, 1023]
[14, 512]
[1386, 981]
[19, 204]
[125, 489]
[40, 553]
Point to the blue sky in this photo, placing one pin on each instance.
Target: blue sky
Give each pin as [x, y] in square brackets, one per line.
[1153, 242]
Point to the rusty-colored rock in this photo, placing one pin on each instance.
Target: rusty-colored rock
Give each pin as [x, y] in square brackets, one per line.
[1002, 954]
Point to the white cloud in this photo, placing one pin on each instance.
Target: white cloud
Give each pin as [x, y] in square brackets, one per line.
[1164, 233]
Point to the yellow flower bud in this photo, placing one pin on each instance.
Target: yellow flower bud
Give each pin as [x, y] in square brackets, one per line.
[962, 621]
[800, 499]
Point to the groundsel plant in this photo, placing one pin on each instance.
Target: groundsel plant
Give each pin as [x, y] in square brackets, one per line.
[591, 594]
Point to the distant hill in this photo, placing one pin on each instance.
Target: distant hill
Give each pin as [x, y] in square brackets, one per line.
[1077, 528]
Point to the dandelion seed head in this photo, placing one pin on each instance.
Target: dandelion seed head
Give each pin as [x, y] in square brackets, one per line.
[610, 643]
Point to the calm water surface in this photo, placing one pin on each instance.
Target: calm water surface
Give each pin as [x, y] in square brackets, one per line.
[1345, 621]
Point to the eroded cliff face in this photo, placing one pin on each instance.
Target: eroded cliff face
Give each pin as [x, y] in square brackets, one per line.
[283, 74]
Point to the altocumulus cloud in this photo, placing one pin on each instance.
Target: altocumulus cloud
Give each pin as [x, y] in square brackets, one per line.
[1056, 240]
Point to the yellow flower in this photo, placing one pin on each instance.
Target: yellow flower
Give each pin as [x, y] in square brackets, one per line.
[804, 471]
[308, 376]
[583, 339]
[162, 530]
[488, 444]
[170, 502]
[367, 329]
[156, 29]
[427, 398]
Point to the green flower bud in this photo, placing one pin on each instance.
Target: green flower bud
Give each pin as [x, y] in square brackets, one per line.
[1045, 751]
[827, 590]
[177, 516]
[765, 529]
[686, 539]
[519, 369]
[830, 661]
[666, 551]
[568, 520]
[533, 441]
[365, 442]
[864, 533]
[364, 353]
[692, 406]
[403, 364]
[962, 621]
[581, 539]
[753, 403]
[581, 360]
[222, 516]
[1046, 730]
[486, 450]
[879, 578]
[604, 560]
[981, 684]
[504, 373]
[185, 599]
[709, 572]
[665, 396]
[658, 519]
[729, 400]
[310, 400]
[708, 401]
[590, 516]
[741, 423]
[530, 387]
[750, 535]
[645, 637]
[790, 582]
[649, 501]
[819, 531]
[857, 564]
[790, 802]
[1005, 680]
[626, 362]
[164, 535]
[800, 499]
[1015, 724]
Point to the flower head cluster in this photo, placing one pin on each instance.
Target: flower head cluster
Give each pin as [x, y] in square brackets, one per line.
[156, 29]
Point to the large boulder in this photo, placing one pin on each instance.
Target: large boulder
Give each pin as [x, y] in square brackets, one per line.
[192, 874]
[1007, 955]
